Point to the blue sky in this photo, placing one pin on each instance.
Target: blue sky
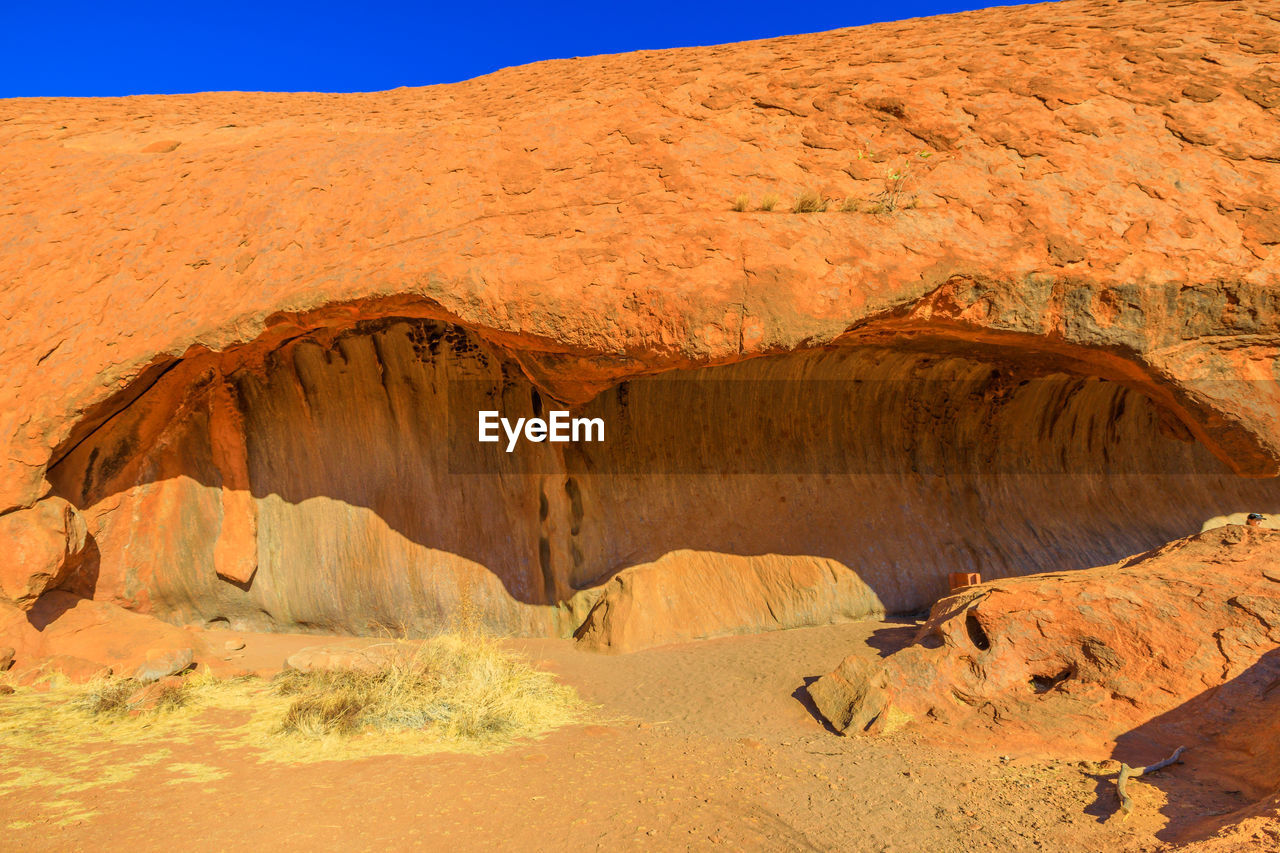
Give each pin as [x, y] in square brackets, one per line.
[122, 48]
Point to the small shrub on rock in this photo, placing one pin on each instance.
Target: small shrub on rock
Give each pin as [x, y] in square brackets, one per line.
[809, 202]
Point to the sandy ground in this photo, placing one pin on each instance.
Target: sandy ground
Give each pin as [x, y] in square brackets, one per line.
[698, 746]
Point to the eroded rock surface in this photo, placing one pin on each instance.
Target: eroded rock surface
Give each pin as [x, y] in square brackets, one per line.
[39, 549]
[162, 663]
[368, 507]
[1180, 645]
[245, 332]
[689, 595]
[81, 637]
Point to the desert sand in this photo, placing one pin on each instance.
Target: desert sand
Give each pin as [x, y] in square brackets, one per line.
[698, 746]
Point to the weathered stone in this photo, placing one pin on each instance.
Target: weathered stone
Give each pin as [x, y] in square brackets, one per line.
[40, 547]
[70, 667]
[153, 695]
[6, 657]
[853, 696]
[99, 632]
[282, 388]
[1084, 656]
[161, 663]
[689, 595]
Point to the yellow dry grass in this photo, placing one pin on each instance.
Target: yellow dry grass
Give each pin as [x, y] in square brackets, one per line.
[809, 201]
[458, 692]
[461, 687]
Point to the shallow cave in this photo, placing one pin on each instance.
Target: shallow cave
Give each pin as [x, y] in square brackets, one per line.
[333, 482]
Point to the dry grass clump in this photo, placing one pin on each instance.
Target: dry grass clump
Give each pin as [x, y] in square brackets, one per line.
[460, 691]
[108, 697]
[742, 202]
[66, 715]
[462, 687]
[111, 697]
[769, 202]
[809, 202]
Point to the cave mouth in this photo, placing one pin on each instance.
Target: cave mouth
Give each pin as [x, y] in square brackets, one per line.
[333, 482]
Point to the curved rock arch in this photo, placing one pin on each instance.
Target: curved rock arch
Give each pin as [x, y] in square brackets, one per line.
[317, 478]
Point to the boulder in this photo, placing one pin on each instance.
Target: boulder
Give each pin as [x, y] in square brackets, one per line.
[852, 697]
[162, 663]
[154, 695]
[61, 666]
[1079, 658]
[40, 547]
[692, 595]
[65, 626]
[6, 658]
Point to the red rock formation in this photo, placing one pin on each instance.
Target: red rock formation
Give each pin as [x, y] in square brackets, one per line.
[242, 329]
[47, 542]
[690, 596]
[81, 638]
[1087, 657]
[1176, 647]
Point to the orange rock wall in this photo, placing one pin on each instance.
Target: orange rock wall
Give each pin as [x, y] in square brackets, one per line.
[1092, 195]
[346, 473]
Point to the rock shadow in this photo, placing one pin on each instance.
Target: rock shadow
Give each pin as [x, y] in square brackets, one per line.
[801, 695]
[1231, 768]
[886, 641]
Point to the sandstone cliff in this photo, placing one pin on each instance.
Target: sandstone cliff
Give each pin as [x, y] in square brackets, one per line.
[241, 330]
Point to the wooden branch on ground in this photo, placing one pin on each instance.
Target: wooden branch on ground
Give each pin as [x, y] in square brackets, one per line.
[1127, 773]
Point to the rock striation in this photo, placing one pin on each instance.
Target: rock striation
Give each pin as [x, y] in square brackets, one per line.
[247, 334]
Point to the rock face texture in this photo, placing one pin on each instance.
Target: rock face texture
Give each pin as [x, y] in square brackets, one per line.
[247, 335]
[688, 595]
[1176, 647]
[1091, 655]
[41, 547]
[80, 637]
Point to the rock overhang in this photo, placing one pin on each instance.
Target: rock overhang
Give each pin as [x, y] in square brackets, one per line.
[332, 480]
[1120, 221]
